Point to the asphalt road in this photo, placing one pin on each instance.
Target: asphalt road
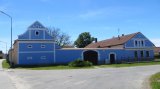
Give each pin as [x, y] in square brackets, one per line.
[100, 78]
[5, 81]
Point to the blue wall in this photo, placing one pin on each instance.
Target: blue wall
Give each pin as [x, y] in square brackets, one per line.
[139, 36]
[45, 55]
[36, 58]
[36, 47]
[66, 56]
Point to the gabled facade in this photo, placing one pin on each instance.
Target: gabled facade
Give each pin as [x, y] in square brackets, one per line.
[36, 47]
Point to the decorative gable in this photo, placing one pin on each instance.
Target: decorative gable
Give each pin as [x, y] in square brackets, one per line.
[36, 31]
[36, 25]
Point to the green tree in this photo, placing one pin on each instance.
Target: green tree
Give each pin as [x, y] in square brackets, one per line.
[83, 40]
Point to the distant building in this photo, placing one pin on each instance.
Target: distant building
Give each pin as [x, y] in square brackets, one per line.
[1, 55]
[157, 50]
[36, 47]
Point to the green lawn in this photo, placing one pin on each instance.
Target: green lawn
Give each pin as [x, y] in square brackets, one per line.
[5, 64]
[49, 67]
[59, 67]
[130, 64]
[52, 67]
[155, 81]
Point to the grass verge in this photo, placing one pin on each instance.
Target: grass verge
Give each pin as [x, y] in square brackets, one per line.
[51, 67]
[60, 67]
[155, 81]
[130, 64]
[5, 64]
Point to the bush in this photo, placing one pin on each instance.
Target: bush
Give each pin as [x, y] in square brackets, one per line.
[80, 63]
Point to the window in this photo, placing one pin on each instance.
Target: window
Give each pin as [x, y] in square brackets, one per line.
[43, 57]
[139, 43]
[142, 43]
[135, 54]
[43, 46]
[29, 46]
[147, 53]
[136, 43]
[142, 55]
[36, 33]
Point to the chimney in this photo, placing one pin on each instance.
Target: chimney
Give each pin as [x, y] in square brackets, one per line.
[118, 37]
[122, 34]
[95, 40]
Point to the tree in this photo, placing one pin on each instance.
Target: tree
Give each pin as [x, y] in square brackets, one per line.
[83, 40]
[62, 39]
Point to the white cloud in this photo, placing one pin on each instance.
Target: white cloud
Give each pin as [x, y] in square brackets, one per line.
[156, 41]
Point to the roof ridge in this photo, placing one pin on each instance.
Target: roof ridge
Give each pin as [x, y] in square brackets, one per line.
[114, 41]
[120, 36]
[36, 24]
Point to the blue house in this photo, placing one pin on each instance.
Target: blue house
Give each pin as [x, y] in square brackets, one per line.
[37, 47]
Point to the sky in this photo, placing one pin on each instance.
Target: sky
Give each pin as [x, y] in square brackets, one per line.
[102, 18]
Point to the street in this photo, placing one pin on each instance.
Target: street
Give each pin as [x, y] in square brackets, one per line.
[5, 81]
[100, 78]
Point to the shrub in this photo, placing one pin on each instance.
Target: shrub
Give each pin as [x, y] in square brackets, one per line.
[80, 63]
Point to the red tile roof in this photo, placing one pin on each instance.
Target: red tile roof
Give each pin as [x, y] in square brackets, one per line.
[156, 49]
[112, 42]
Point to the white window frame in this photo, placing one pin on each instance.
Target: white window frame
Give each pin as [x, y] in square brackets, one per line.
[142, 52]
[43, 46]
[135, 45]
[36, 33]
[148, 54]
[29, 46]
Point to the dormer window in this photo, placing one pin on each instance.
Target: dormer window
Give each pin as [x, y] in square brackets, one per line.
[36, 33]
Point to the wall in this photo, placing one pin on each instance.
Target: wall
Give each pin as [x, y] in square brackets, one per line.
[36, 54]
[139, 37]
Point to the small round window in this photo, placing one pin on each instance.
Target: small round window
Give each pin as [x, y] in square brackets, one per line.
[37, 33]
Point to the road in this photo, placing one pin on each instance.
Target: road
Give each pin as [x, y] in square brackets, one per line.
[5, 81]
[100, 78]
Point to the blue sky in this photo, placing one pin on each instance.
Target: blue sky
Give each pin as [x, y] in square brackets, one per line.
[101, 18]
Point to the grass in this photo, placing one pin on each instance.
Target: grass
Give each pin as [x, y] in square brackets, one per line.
[51, 67]
[61, 67]
[44, 67]
[5, 64]
[155, 81]
[130, 64]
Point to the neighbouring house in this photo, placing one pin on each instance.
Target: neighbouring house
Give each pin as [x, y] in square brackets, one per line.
[36, 47]
[157, 50]
[1, 55]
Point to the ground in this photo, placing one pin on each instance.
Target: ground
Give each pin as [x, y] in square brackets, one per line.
[5, 81]
[99, 78]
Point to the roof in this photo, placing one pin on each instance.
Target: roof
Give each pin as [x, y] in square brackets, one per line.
[112, 42]
[156, 49]
[36, 24]
[90, 49]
